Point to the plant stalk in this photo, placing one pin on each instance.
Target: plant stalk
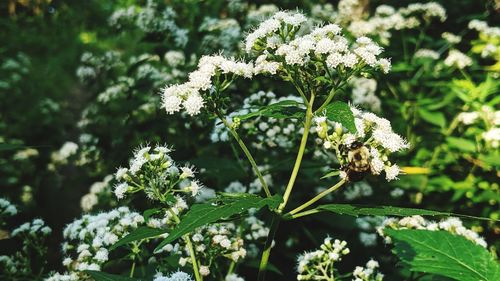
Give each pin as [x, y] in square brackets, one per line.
[267, 248]
[317, 197]
[247, 154]
[300, 154]
[192, 253]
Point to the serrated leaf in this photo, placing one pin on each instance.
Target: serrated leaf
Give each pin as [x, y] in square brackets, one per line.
[341, 112]
[367, 210]
[217, 209]
[103, 276]
[461, 144]
[280, 110]
[140, 233]
[434, 117]
[443, 253]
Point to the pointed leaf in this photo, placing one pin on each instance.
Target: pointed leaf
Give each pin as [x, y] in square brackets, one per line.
[367, 210]
[341, 112]
[139, 234]
[280, 110]
[217, 209]
[444, 253]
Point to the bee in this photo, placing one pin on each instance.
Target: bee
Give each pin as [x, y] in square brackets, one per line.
[358, 160]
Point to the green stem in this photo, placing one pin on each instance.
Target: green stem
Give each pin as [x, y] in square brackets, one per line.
[267, 248]
[132, 269]
[327, 101]
[302, 214]
[300, 154]
[247, 154]
[317, 197]
[192, 253]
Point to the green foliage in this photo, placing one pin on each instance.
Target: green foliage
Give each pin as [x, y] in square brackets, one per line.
[341, 112]
[442, 253]
[218, 209]
[103, 276]
[367, 210]
[280, 110]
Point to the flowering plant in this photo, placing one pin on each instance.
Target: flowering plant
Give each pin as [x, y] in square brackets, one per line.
[309, 144]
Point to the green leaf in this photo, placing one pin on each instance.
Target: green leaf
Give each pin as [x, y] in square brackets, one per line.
[149, 212]
[341, 112]
[103, 276]
[217, 209]
[461, 144]
[140, 233]
[331, 174]
[280, 110]
[367, 210]
[434, 117]
[443, 253]
[491, 159]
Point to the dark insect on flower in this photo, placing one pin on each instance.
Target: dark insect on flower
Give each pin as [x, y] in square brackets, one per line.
[358, 161]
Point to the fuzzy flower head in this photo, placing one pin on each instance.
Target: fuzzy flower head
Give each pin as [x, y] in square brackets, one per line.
[368, 273]
[164, 178]
[191, 96]
[451, 224]
[313, 265]
[88, 239]
[367, 150]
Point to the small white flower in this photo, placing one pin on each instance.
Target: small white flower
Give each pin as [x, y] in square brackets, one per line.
[120, 190]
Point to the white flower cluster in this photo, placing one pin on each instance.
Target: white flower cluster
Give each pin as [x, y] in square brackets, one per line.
[89, 200]
[93, 65]
[451, 38]
[155, 166]
[367, 226]
[87, 239]
[233, 277]
[223, 34]
[387, 18]
[374, 142]
[452, 225]
[166, 218]
[7, 208]
[318, 264]
[490, 117]
[174, 58]
[35, 228]
[368, 273]
[327, 44]
[189, 94]
[426, 54]
[262, 13]
[363, 93]
[358, 190]
[426, 10]
[114, 91]
[457, 59]
[215, 241]
[151, 20]
[492, 137]
[255, 187]
[175, 276]
[61, 156]
[25, 154]
[483, 27]
[265, 35]
[262, 132]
